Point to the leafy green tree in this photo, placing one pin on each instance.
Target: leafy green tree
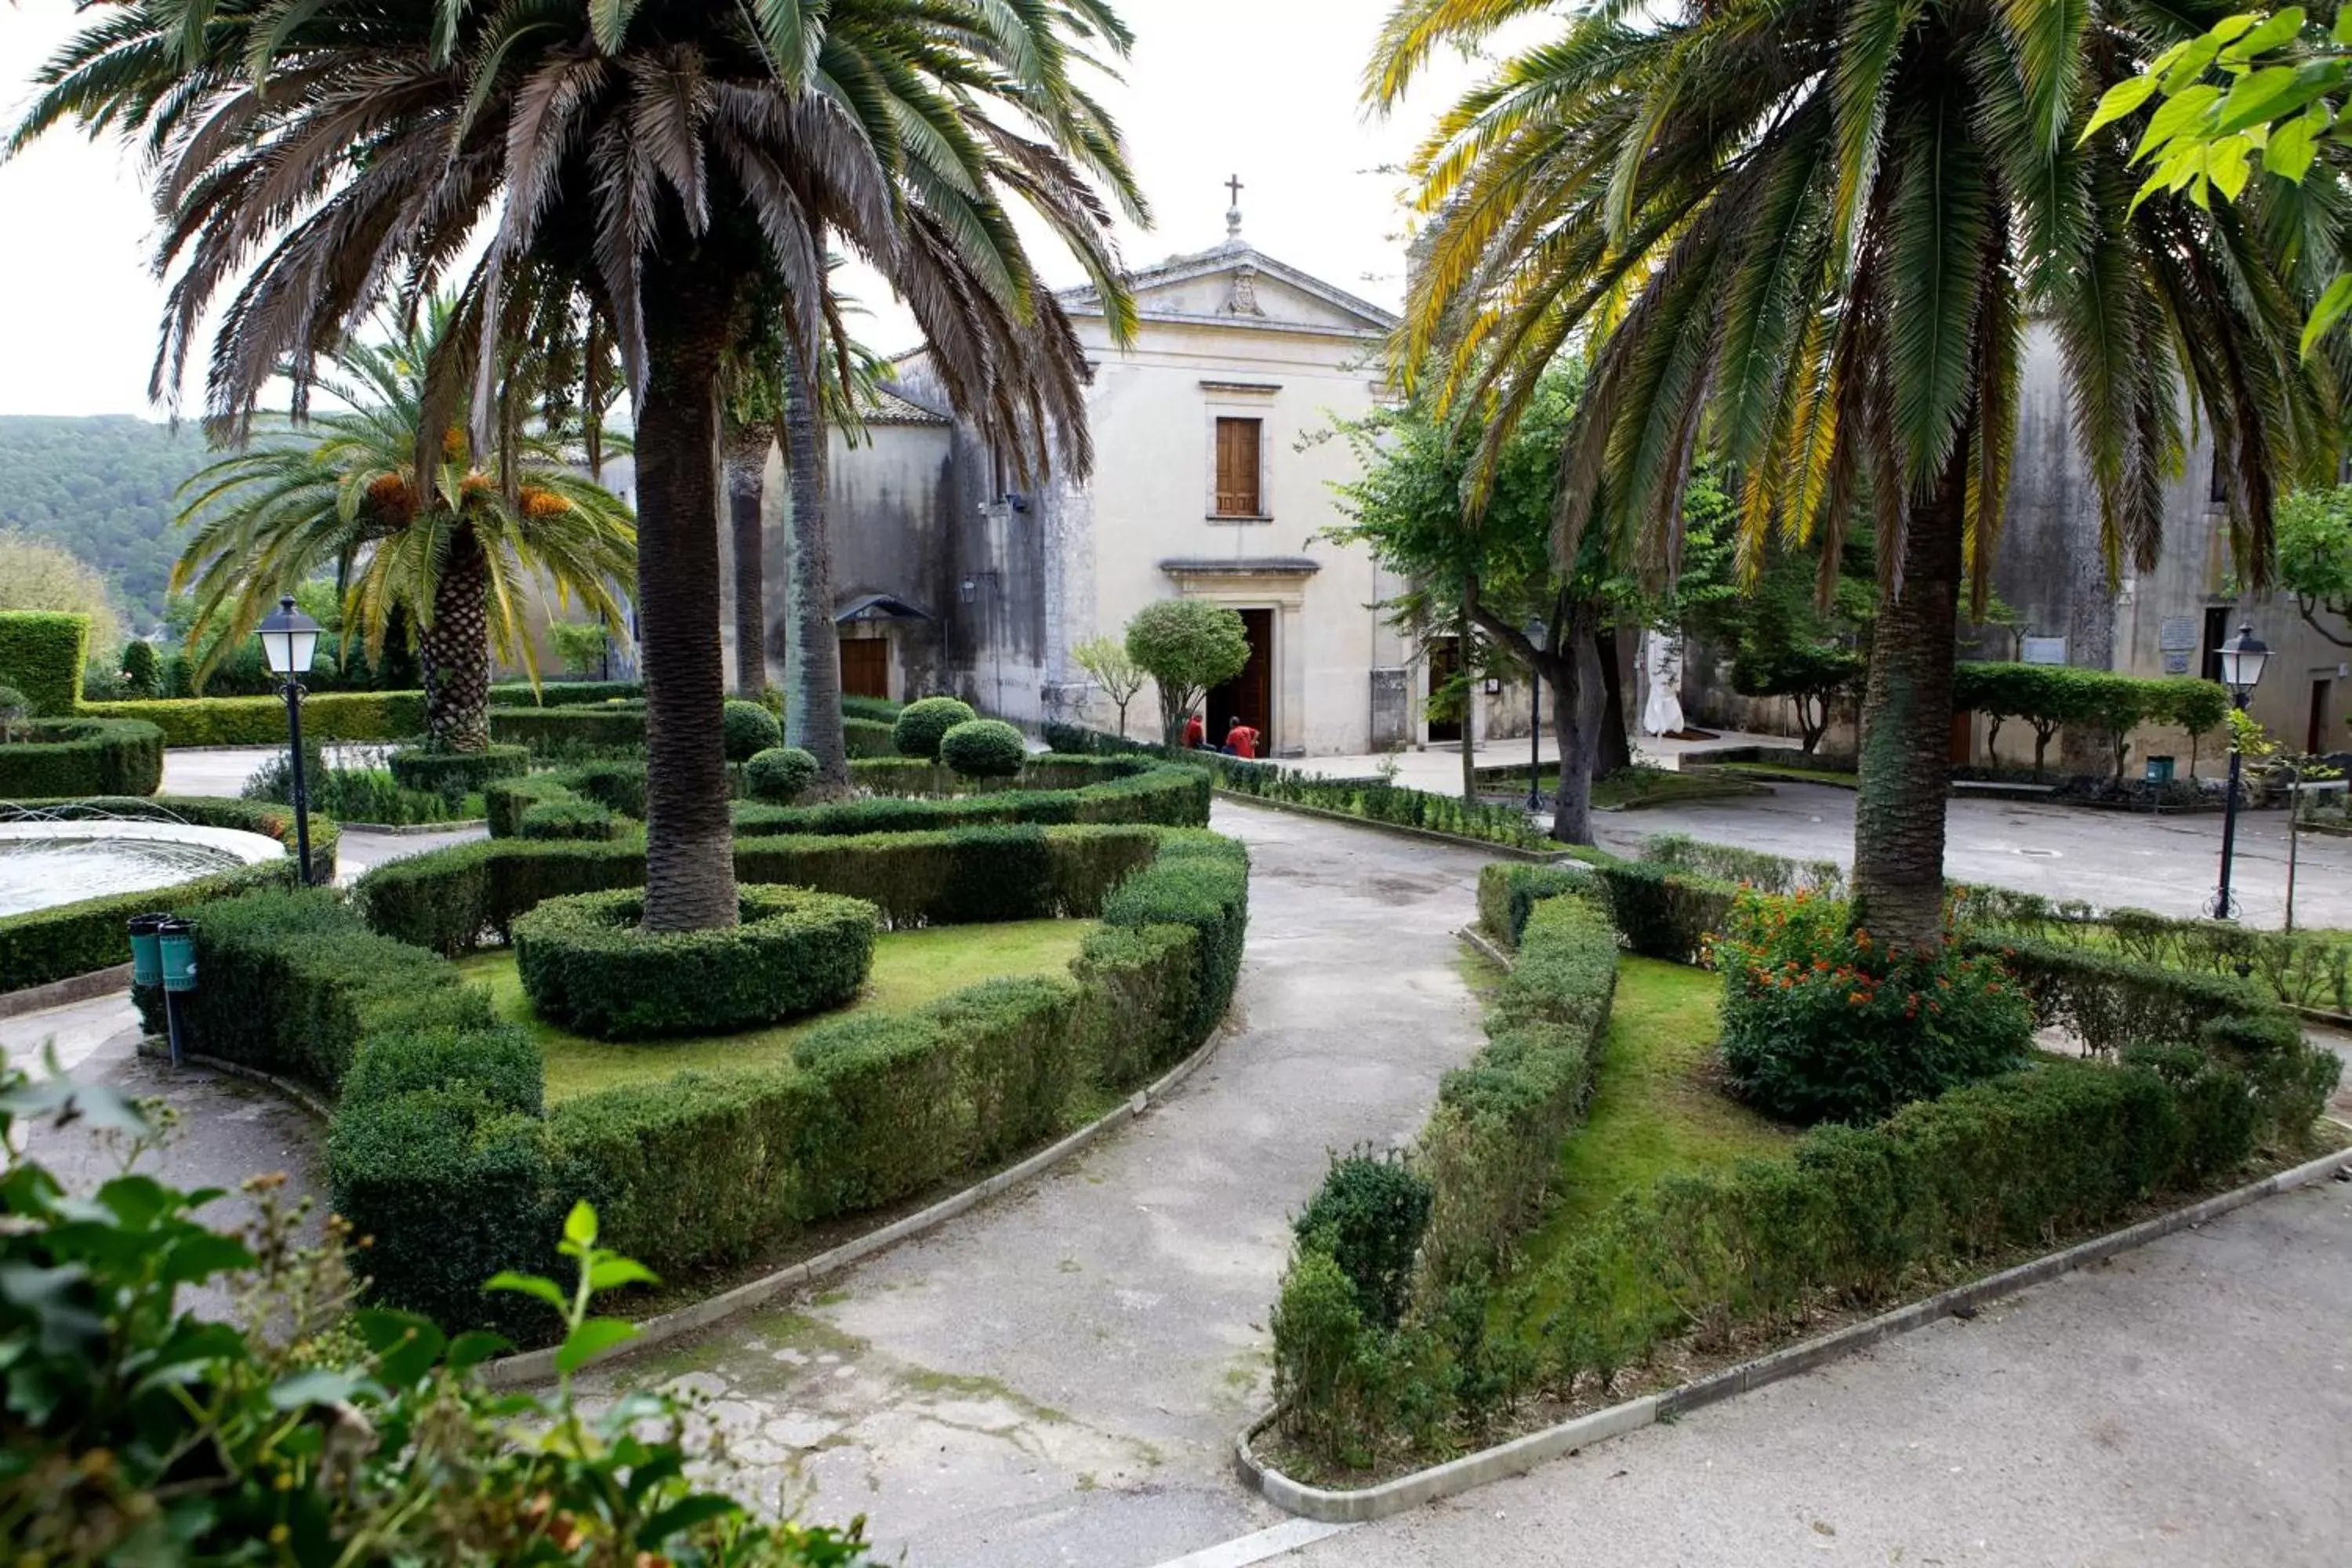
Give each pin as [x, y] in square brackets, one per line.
[41, 575]
[1106, 660]
[1186, 645]
[1816, 232]
[1494, 571]
[659, 160]
[2314, 547]
[459, 545]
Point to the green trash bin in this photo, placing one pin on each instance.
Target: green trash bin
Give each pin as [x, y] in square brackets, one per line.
[176, 942]
[2160, 770]
[146, 950]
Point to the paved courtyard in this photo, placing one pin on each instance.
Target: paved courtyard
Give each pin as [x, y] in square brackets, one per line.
[2168, 864]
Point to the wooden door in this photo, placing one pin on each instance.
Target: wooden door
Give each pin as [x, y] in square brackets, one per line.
[866, 667]
[1444, 661]
[1247, 698]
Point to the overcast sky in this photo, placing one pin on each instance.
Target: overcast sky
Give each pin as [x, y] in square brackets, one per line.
[1263, 89]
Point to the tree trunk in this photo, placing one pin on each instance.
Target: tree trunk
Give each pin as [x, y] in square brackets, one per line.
[689, 841]
[747, 464]
[1465, 631]
[1613, 744]
[1907, 730]
[813, 664]
[456, 649]
[1577, 702]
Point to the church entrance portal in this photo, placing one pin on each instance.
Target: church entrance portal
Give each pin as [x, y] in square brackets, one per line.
[866, 667]
[1247, 698]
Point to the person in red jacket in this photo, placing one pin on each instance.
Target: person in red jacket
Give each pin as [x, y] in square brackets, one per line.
[1241, 741]
[1196, 734]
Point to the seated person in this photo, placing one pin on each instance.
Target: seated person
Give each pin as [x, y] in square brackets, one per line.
[1196, 733]
[1241, 741]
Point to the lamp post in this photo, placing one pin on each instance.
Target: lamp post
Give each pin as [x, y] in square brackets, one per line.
[1538, 635]
[2241, 660]
[289, 639]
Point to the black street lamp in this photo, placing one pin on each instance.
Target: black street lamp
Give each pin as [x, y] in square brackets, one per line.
[2241, 660]
[289, 639]
[1538, 635]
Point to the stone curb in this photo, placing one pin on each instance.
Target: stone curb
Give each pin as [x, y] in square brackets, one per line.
[1400, 829]
[1486, 948]
[60, 992]
[1522, 1454]
[539, 1365]
[405, 831]
[153, 1049]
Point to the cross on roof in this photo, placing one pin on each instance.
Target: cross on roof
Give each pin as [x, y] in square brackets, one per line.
[1235, 185]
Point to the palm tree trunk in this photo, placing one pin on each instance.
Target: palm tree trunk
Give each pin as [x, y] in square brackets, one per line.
[456, 649]
[747, 463]
[1906, 729]
[812, 659]
[1577, 699]
[689, 846]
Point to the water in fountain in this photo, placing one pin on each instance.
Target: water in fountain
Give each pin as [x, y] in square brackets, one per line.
[62, 855]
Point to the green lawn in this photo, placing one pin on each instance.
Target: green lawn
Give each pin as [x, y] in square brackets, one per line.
[1656, 1108]
[911, 968]
[1783, 774]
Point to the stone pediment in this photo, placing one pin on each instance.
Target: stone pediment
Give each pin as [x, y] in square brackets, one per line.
[1236, 285]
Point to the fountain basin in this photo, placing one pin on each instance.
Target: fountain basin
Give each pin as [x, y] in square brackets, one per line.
[48, 863]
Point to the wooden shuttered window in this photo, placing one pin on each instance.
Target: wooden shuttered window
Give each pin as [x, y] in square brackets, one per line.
[1237, 469]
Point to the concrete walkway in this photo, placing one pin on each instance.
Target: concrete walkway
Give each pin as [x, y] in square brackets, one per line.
[2187, 1405]
[1439, 767]
[2168, 864]
[1057, 1379]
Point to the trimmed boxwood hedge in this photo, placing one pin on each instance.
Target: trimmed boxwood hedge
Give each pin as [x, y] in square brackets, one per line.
[569, 817]
[555, 730]
[82, 757]
[1062, 790]
[41, 655]
[1858, 1213]
[66, 940]
[457, 773]
[588, 964]
[446, 900]
[867, 737]
[440, 1155]
[564, 693]
[327, 716]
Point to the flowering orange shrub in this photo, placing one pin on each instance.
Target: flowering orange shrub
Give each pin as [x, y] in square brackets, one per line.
[1823, 1022]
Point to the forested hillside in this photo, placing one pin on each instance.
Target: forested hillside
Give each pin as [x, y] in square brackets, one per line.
[103, 488]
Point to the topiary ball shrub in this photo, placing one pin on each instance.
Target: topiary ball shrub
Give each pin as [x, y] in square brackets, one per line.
[1822, 1024]
[984, 749]
[921, 726]
[778, 774]
[1369, 1217]
[572, 818]
[749, 729]
[586, 963]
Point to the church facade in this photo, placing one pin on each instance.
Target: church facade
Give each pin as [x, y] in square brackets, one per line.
[1215, 474]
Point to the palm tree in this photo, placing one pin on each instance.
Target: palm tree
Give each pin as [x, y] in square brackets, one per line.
[660, 156]
[752, 387]
[1811, 232]
[459, 544]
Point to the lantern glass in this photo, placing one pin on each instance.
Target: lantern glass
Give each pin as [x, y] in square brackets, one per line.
[288, 639]
[2241, 660]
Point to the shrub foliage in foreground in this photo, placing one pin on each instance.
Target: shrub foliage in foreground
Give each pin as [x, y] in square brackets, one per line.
[133, 1431]
[587, 964]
